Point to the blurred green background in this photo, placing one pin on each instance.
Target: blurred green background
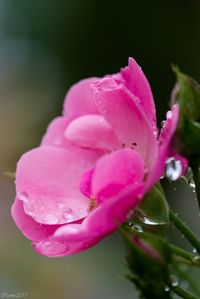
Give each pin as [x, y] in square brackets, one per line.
[46, 46]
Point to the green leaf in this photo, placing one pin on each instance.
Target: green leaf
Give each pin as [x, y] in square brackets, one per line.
[154, 208]
[187, 94]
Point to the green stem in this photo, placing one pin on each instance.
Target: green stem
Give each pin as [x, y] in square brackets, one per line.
[185, 230]
[184, 254]
[185, 276]
[196, 177]
[182, 292]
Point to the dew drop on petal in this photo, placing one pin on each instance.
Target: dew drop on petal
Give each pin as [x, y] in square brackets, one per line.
[173, 169]
[68, 214]
[52, 248]
[51, 219]
[163, 123]
[169, 114]
[155, 133]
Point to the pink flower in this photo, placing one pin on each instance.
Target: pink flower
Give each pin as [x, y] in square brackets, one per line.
[94, 164]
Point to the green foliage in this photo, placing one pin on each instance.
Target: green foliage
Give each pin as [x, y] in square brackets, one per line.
[154, 208]
[187, 95]
[147, 258]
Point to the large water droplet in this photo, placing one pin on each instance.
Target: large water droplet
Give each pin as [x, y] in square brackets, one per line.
[173, 169]
[51, 219]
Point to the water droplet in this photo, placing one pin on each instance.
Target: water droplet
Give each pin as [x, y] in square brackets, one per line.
[23, 196]
[52, 248]
[166, 289]
[173, 169]
[194, 250]
[169, 114]
[138, 228]
[68, 214]
[105, 110]
[148, 221]
[155, 133]
[197, 258]
[191, 184]
[174, 281]
[51, 219]
[163, 123]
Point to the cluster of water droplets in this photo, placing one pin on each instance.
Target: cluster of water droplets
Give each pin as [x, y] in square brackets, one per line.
[47, 215]
[52, 248]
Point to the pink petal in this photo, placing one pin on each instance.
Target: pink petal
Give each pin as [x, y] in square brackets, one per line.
[115, 172]
[55, 133]
[137, 83]
[30, 228]
[47, 181]
[165, 147]
[79, 99]
[73, 238]
[92, 132]
[123, 113]
[85, 182]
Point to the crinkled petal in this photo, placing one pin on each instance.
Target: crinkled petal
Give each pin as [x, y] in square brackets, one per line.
[137, 83]
[47, 181]
[127, 119]
[115, 172]
[73, 238]
[79, 99]
[92, 132]
[30, 228]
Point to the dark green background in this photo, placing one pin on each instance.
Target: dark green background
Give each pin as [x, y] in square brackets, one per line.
[45, 46]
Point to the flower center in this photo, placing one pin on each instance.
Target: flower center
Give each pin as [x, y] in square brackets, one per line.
[93, 204]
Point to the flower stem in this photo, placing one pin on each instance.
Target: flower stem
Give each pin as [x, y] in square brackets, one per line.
[185, 230]
[182, 292]
[196, 177]
[184, 254]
